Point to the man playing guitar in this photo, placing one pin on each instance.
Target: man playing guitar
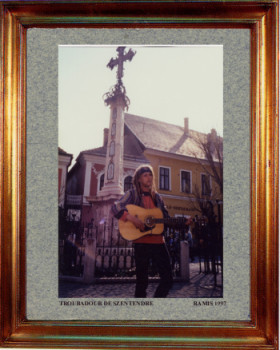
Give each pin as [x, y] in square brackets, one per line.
[148, 246]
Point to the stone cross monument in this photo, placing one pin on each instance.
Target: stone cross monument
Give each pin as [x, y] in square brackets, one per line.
[112, 190]
[117, 100]
[122, 57]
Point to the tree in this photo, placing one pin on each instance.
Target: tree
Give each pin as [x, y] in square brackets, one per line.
[210, 155]
[208, 152]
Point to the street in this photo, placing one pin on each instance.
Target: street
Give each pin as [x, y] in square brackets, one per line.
[200, 285]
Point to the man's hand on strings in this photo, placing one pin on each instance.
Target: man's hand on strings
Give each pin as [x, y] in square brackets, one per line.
[136, 222]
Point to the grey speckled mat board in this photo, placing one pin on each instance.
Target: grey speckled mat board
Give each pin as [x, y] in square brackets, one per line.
[42, 183]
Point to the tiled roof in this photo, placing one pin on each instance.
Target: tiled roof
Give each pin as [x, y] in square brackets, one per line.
[161, 136]
[62, 152]
[144, 133]
[132, 149]
[100, 151]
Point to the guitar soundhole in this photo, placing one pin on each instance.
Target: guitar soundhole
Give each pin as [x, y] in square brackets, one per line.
[149, 221]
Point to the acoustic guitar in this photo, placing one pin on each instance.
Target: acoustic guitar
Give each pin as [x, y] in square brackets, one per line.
[153, 220]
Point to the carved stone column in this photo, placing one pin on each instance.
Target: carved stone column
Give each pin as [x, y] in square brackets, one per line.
[113, 179]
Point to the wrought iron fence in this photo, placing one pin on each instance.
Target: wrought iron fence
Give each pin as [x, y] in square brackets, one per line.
[114, 256]
[208, 246]
[72, 242]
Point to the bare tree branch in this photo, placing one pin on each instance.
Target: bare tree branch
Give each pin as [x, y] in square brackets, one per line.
[210, 155]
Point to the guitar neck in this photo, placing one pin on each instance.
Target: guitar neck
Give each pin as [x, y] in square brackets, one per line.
[173, 221]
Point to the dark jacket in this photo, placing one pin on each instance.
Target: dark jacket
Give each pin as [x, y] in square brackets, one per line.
[131, 197]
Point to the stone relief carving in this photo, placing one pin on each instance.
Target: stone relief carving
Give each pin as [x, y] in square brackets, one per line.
[112, 149]
[110, 174]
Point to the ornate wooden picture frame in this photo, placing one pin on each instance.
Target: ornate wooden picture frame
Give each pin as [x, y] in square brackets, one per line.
[261, 19]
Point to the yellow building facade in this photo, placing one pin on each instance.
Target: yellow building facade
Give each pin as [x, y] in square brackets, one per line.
[178, 200]
[180, 167]
[182, 171]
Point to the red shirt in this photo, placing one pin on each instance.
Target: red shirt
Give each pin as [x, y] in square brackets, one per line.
[148, 203]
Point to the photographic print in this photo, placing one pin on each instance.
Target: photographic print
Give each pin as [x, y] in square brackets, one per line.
[125, 111]
[73, 269]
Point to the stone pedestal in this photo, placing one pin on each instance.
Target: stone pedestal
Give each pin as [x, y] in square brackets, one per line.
[89, 263]
[105, 221]
[107, 234]
[184, 260]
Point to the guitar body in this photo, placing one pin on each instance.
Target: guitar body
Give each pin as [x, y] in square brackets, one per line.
[129, 232]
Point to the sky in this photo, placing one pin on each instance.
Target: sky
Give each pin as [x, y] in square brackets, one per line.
[166, 83]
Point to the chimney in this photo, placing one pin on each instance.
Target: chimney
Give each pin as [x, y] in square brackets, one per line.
[212, 139]
[214, 133]
[186, 126]
[105, 136]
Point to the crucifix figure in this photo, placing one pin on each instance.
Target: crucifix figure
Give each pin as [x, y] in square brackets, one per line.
[122, 57]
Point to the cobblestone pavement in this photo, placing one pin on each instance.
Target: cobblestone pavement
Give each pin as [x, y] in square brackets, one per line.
[200, 285]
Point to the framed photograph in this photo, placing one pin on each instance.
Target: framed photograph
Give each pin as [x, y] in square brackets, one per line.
[194, 102]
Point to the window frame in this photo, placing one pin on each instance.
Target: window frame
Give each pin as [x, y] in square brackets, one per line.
[210, 184]
[185, 171]
[159, 178]
[99, 181]
[126, 176]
